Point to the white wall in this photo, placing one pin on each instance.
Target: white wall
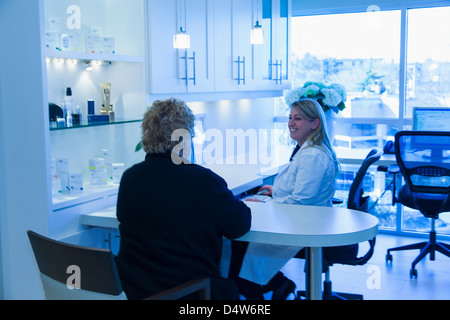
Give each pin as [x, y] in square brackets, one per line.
[24, 201]
[246, 114]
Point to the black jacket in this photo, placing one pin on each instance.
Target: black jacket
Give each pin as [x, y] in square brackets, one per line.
[172, 222]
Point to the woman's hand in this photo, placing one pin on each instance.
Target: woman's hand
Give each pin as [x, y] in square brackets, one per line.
[265, 190]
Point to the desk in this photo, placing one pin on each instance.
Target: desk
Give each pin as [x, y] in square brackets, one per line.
[293, 225]
[303, 226]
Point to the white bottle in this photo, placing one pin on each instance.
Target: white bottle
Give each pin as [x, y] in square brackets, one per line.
[68, 99]
[69, 120]
[108, 163]
[65, 42]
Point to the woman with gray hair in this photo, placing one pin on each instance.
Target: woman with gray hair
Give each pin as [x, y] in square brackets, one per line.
[173, 216]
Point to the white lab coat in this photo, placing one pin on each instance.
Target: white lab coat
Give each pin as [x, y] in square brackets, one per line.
[309, 179]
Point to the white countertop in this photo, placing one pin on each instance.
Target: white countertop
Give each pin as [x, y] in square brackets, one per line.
[284, 224]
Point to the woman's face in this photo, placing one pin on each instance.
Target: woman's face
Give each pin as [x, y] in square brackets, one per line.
[300, 127]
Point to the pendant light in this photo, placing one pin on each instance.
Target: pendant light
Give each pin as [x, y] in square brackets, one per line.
[181, 40]
[257, 33]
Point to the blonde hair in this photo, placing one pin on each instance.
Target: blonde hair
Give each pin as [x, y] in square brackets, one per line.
[312, 110]
[161, 119]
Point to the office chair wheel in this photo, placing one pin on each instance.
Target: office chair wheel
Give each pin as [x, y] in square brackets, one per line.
[389, 257]
[413, 273]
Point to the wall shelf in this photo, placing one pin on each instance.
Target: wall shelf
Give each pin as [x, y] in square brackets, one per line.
[86, 124]
[94, 56]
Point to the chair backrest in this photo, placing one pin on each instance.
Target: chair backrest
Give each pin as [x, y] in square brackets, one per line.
[355, 196]
[357, 201]
[424, 161]
[72, 272]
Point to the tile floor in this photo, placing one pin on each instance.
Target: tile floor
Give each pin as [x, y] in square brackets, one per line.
[394, 282]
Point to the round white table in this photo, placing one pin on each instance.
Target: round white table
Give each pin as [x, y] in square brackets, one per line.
[311, 227]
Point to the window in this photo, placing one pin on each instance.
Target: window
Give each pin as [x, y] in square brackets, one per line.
[428, 81]
[428, 56]
[364, 52]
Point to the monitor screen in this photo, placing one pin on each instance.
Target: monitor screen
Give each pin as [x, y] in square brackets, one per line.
[431, 119]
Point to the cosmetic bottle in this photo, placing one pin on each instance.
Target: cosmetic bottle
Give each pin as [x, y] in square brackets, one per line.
[65, 42]
[108, 164]
[97, 171]
[62, 171]
[76, 117]
[69, 120]
[111, 114]
[68, 99]
[91, 106]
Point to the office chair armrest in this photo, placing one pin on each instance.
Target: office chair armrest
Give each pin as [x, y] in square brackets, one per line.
[363, 260]
[202, 286]
[394, 169]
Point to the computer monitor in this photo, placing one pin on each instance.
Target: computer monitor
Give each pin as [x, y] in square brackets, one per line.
[431, 119]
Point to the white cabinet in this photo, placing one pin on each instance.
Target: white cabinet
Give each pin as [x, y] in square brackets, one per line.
[241, 66]
[235, 67]
[273, 57]
[221, 57]
[180, 70]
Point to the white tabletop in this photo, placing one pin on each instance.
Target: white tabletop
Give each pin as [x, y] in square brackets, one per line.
[105, 218]
[308, 226]
[284, 224]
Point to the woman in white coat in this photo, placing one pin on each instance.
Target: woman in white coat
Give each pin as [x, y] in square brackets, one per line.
[308, 179]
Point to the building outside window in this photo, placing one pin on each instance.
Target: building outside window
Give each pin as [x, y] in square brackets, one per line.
[385, 77]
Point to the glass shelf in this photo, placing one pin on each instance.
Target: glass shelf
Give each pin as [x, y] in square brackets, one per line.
[85, 124]
[94, 56]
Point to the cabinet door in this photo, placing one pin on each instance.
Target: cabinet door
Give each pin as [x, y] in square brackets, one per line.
[163, 67]
[180, 70]
[281, 49]
[234, 54]
[273, 57]
[200, 66]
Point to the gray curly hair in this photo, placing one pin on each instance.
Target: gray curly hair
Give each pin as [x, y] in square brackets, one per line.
[161, 119]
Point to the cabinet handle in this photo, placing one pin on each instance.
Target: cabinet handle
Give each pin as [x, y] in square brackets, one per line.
[278, 73]
[193, 65]
[186, 58]
[281, 72]
[239, 62]
[243, 68]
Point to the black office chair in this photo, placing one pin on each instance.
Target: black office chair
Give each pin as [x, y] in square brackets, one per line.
[424, 161]
[347, 255]
[72, 272]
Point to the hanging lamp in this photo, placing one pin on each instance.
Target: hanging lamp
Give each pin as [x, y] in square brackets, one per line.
[181, 40]
[257, 33]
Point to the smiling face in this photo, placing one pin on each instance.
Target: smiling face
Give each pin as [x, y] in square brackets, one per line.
[300, 127]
